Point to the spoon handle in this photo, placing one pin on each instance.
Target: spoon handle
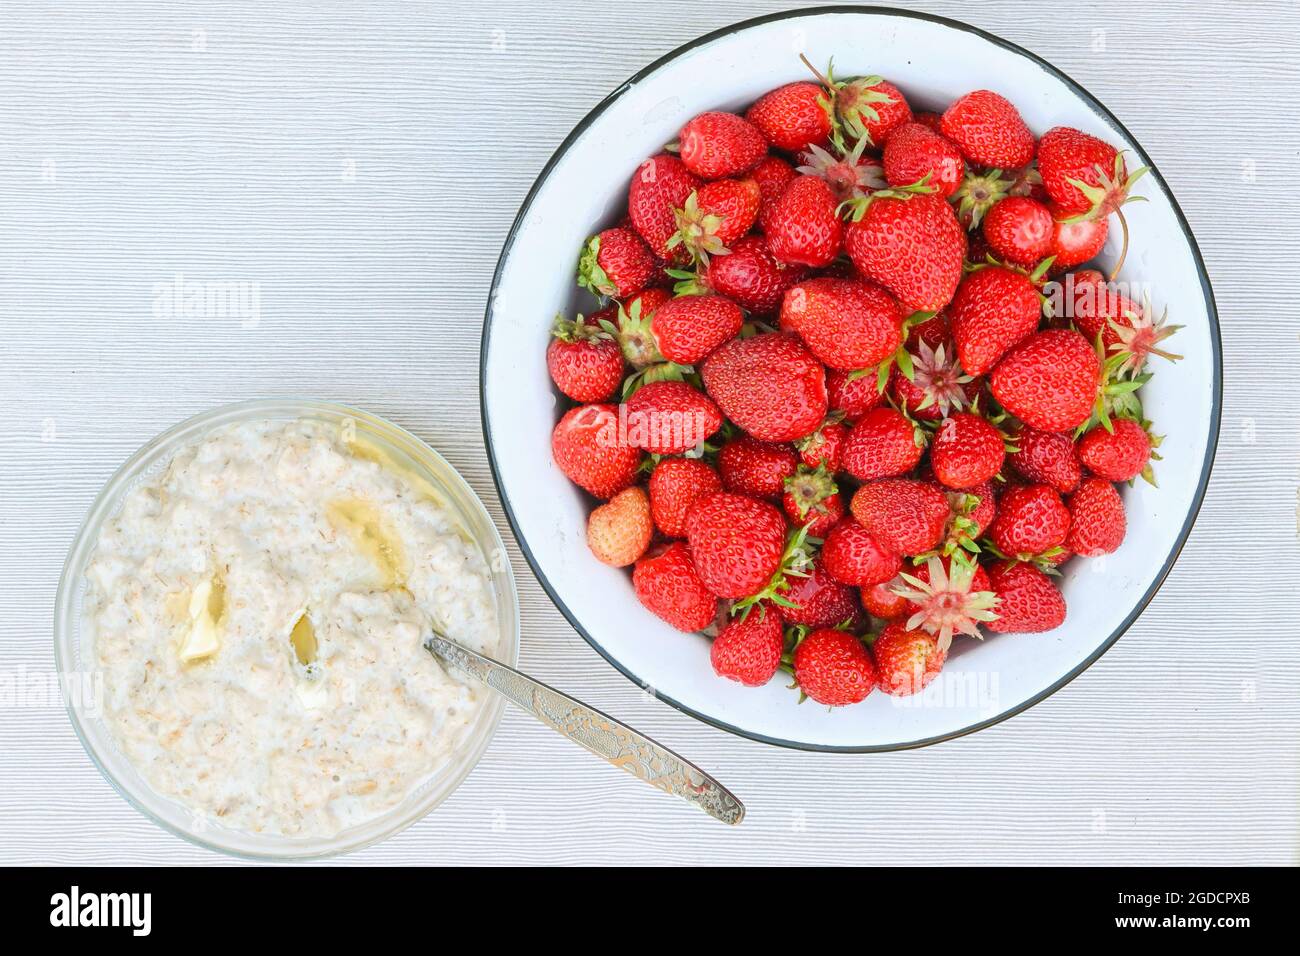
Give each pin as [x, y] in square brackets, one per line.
[601, 734]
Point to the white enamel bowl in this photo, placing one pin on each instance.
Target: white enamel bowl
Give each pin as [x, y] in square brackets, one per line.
[584, 187]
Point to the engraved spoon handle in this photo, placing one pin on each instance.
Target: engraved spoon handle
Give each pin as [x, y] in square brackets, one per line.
[601, 734]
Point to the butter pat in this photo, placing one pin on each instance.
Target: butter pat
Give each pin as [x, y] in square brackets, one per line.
[203, 638]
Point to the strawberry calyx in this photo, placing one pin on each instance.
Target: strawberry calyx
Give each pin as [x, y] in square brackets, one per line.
[1111, 191]
[962, 529]
[697, 231]
[689, 283]
[809, 487]
[796, 561]
[580, 329]
[1043, 562]
[1116, 392]
[1141, 337]
[946, 604]
[940, 377]
[854, 209]
[849, 102]
[658, 372]
[977, 194]
[1024, 180]
[635, 337]
[846, 174]
[590, 275]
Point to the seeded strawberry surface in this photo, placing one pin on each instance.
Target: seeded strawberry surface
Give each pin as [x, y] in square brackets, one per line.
[995, 309]
[769, 385]
[668, 586]
[866, 403]
[833, 667]
[748, 649]
[736, 542]
[674, 485]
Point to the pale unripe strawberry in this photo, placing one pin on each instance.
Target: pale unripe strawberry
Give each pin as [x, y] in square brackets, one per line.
[619, 531]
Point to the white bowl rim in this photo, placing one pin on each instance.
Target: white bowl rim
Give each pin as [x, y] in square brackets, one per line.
[495, 704]
[1154, 175]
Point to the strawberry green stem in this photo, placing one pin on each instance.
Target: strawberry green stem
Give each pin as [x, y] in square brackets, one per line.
[1123, 249]
[821, 77]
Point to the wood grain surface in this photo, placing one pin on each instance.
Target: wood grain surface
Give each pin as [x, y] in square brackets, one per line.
[362, 162]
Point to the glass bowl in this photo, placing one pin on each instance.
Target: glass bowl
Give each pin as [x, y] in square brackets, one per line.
[82, 685]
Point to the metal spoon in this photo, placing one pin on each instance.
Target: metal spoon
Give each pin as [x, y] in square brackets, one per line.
[601, 734]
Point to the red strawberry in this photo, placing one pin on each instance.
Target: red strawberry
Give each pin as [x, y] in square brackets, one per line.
[824, 446]
[1082, 173]
[852, 393]
[1019, 230]
[756, 468]
[736, 542]
[966, 451]
[850, 175]
[615, 263]
[882, 444]
[619, 531]
[793, 117]
[846, 323]
[659, 187]
[1046, 457]
[1074, 243]
[1031, 521]
[586, 447]
[773, 174]
[584, 360]
[988, 130]
[853, 556]
[833, 668]
[994, 310]
[668, 418]
[881, 601]
[812, 498]
[1050, 381]
[674, 485]
[751, 276]
[748, 648]
[666, 584]
[906, 660]
[716, 144]
[913, 247]
[819, 600]
[916, 154]
[937, 385]
[906, 516]
[1028, 602]
[715, 216]
[1118, 455]
[1097, 521]
[803, 226]
[948, 596]
[685, 329]
[769, 385]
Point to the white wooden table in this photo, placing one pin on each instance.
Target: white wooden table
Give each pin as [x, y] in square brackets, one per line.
[361, 162]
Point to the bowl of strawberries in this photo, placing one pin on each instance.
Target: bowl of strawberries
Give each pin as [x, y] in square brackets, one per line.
[850, 379]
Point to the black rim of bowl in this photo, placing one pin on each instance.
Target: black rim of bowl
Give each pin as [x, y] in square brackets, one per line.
[1101, 111]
